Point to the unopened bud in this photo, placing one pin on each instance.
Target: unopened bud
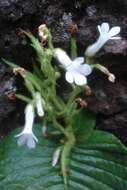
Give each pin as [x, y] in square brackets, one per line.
[39, 104]
[19, 70]
[111, 77]
[41, 32]
[56, 156]
[44, 130]
[57, 74]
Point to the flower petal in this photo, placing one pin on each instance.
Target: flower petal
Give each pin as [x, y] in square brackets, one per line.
[75, 64]
[114, 31]
[105, 27]
[78, 60]
[79, 79]
[30, 142]
[22, 140]
[18, 135]
[99, 28]
[69, 77]
[85, 69]
[116, 38]
[34, 137]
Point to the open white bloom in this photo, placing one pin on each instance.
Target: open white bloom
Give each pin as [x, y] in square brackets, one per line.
[105, 34]
[39, 104]
[76, 71]
[27, 137]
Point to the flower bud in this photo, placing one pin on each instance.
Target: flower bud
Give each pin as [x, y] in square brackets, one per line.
[111, 77]
[56, 156]
[19, 70]
[41, 32]
[39, 105]
[44, 130]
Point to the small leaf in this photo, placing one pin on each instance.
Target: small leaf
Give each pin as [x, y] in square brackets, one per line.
[12, 65]
[23, 98]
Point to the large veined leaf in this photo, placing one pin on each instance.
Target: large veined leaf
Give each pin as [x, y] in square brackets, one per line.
[98, 163]
[84, 124]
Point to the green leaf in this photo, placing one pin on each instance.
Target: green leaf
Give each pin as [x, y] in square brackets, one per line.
[99, 163]
[23, 98]
[12, 65]
[84, 124]
[24, 169]
[36, 44]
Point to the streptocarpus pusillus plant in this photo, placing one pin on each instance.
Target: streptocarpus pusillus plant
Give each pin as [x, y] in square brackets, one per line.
[57, 110]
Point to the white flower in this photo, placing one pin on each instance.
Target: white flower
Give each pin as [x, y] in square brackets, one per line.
[39, 104]
[27, 137]
[76, 71]
[105, 34]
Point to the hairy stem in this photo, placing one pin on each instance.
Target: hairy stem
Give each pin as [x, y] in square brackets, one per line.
[65, 156]
[59, 127]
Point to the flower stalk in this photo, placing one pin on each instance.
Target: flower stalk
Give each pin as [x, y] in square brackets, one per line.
[65, 155]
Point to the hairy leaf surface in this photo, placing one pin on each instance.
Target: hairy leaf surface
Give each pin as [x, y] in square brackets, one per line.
[98, 163]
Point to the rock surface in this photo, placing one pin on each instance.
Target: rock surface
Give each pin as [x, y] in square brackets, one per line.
[109, 101]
